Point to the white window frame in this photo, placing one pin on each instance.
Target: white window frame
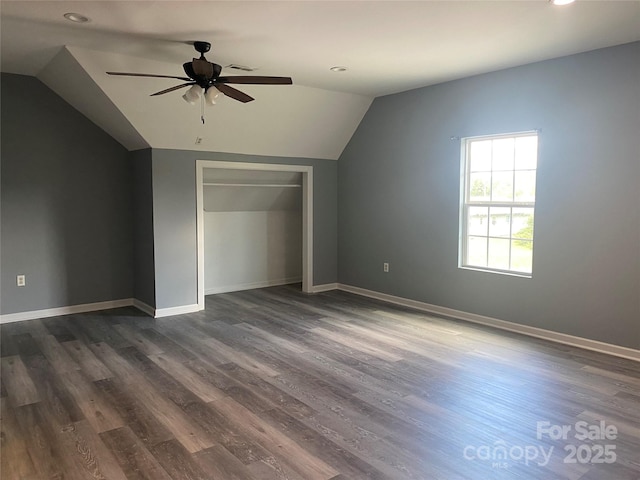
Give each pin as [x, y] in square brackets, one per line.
[465, 203]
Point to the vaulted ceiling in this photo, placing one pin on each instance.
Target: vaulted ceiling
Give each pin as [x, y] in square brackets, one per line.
[387, 47]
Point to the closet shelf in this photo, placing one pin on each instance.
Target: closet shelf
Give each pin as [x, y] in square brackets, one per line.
[267, 185]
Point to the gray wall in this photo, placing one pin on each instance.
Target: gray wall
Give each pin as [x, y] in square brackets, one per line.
[399, 181]
[143, 263]
[174, 220]
[66, 204]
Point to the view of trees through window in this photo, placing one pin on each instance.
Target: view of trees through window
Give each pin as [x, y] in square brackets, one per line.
[499, 201]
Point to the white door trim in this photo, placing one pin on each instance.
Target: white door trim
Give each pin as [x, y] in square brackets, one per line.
[307, 214]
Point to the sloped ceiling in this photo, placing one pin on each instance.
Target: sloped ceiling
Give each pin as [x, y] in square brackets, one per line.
[388, 47]
[284, 120]
[65, 76]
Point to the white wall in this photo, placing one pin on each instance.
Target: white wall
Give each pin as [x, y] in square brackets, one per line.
[252, 249]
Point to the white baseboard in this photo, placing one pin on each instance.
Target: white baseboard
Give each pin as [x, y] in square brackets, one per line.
[71, 309]
[251, 286]
[602, 347]
[93, 307]
[148, 309]
[167, 312]
[324, 288]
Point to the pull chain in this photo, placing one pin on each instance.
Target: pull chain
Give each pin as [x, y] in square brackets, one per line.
[202, 108]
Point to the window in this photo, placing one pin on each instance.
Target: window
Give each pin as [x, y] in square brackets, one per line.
[498, 202]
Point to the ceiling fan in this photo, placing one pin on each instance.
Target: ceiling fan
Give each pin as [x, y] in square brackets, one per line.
[205, 75]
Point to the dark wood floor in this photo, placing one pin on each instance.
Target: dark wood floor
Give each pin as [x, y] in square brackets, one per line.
[274, 384]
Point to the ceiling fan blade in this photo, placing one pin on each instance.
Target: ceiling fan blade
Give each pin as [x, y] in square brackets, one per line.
[177, 87]
[202, 68]
[256, 80]
[233, 93]
[147, 75]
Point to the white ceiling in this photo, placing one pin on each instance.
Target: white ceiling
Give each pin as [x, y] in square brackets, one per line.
[388, 47]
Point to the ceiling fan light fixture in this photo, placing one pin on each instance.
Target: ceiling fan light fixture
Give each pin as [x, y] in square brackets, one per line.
[76, 17]
[561, 2]
[192, 95]
[211, 95]
[338, 69]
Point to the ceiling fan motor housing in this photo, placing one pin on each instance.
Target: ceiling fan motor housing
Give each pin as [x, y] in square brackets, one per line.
[202, 47]
[203, 74]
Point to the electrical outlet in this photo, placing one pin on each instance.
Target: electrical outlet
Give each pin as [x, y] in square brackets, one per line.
[385, 267]
[21, 280]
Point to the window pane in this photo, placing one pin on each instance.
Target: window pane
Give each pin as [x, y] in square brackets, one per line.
[522, 256]
[499, 253]
[500, 222]
[525, 186]
[526, 152]
[477, 251]
[479, 187]
[503, 152]
[502, 186]
[477, 221]
[522, 222]
[480, 156]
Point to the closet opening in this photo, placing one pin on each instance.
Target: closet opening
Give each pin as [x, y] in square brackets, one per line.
[255, 226]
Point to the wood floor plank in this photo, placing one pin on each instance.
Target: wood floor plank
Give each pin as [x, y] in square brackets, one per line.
[358, 345]
[178, 462]
[272, 439]
[58, 328]
[279, 341]
[172, 387]
[270, 393]
[241, 359]
[271, 468]
[134, 413]
[8, 347]
[139, 341]
[56, 401]
[93, 368]
[192, 437]
[317, 444]
[187, 432]
[19, 385]
[136, 461]
[25, 345]
[42, 443]
[58, 357]
[35, 328]
[92, 329]
[85, 452]
[192, 340]
[219, 427]
[3, 390]
[15, 462]
[218, 462]
[167, 345]
[96, 410]
[187, 377]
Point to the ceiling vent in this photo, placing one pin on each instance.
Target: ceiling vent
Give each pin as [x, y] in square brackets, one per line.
[242, 68]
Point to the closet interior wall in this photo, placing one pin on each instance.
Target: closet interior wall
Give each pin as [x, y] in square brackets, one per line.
[252, 229]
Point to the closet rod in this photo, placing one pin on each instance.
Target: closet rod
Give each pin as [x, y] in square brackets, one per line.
[278, 185]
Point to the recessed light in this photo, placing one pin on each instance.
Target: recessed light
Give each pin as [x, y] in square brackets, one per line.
[76, 17]
[338, 69]
[561, 2]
